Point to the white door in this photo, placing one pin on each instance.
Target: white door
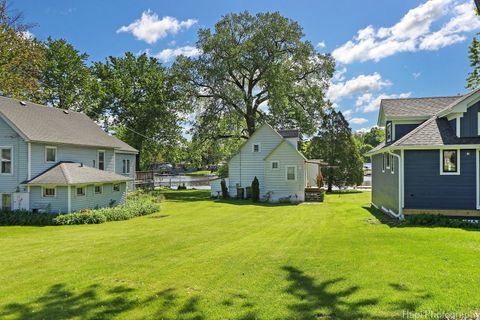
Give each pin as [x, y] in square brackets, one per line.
[21, 201]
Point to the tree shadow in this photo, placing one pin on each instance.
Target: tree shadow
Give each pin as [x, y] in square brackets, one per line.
[319, 300]
[58, 302]
[186, 195]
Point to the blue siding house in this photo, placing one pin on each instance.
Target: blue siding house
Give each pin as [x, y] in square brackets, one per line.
[59, 161]
[429, 162]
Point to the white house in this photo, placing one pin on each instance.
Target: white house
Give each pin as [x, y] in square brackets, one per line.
[282, 171]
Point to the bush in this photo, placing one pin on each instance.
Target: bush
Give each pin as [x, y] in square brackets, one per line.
[81, 217]
[255, 190]
[431, 220]
[223, 185]
[26, 218]
[223, 171]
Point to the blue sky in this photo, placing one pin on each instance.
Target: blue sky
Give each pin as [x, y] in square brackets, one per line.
[383, 48]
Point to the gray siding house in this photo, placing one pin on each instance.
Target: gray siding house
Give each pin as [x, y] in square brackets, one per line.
[429, 162]
[59, 161]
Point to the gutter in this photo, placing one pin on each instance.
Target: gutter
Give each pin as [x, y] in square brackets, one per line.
[398, 215]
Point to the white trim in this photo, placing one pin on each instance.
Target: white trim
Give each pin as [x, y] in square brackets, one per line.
[400, 187]
[392, 166]
[402, 176]
[278, 165]
[457, 126]
[69, 199]
[478, 123]
[259, 147]
[432, 147]
[101, 189]
[393, 132]
[54, 195]
[104, 159]
[11, 160]
[11, 200]
[114, 161]
[50, 147]
[387, 133]
[456, 173]
[477, 177]
[384, 162]
[387, 161]
[80, 187]
[286, 173]
[29, 160]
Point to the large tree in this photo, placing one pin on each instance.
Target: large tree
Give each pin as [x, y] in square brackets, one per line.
[473, 80]
[138, 98]
[335, 145]
[66, 79]
[252, 69]
[21, 56]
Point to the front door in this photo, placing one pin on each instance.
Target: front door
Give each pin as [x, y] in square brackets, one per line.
[21, 201]
[6, 201]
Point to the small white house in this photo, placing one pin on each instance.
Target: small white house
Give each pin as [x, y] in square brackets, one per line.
[273, 157]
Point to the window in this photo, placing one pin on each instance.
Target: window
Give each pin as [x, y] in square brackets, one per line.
[388, 160]
[101, 160]
[274, 165]
[256, 147]
[389, 131]
[383, 162]
[6, 167]
[450, 162]
[116, 187]
[391, 163]
[126, 166]
[291, 173]
[81, 191]
[6, 202]
[50, 154]
[49, 192]
[98, 189]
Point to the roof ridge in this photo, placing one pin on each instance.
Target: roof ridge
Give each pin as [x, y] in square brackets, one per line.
[65, 172]
[41, 105]
[431, 97]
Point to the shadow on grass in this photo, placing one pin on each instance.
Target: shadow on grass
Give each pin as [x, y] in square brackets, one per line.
[345, 192]
[319, 299]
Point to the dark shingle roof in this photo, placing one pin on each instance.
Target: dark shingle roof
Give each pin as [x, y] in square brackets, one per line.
[70, 173]
[289, 133]
[407, 107]
[46, 124]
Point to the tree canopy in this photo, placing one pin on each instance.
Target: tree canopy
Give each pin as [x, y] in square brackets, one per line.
[253, 69]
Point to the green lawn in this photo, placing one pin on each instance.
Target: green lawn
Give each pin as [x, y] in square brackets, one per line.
[202, 259]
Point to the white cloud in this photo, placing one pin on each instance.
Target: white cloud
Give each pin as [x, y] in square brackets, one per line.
[411, 33]
[358, 120]
[321, 44]
[369, 103]
[365, 130]
[362, 83]
[150, 28]
[169, 54]
[416, 75]
[347, 114]
[27, 35]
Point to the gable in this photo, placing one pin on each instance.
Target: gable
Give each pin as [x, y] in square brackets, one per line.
[284, 150]
[266, 137]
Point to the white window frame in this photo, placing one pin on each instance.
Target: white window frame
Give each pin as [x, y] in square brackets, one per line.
[126, 166]
[11, 201]
[392, 159]
[98, 159]
[388, 132]
[443, 173]
[84, 193]
[278, 165]
[259, 147]
[95, 191]
[119, 187]
[294, 171]
[11, 161]
[48, 196]
[387, 163]
[52, 148]
[383, 162]
[478, 123]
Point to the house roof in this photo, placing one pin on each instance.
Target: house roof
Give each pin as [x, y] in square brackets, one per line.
[412, 107]
[39, 123]
[71, 173]
[289, 133]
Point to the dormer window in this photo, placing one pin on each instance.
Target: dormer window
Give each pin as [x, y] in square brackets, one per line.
[256, 147]
[388, 131]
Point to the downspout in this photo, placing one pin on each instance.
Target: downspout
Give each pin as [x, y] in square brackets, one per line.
[398, 215]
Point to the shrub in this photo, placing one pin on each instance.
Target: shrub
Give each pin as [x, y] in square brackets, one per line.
[26, 218]
[223, 171]
[431, 220]
[255, 190]
[81, 217]
[223, 185]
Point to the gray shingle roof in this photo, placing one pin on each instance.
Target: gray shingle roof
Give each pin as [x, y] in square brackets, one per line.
[70, 173]
[407, 107]
[289, 133]
[46, 124]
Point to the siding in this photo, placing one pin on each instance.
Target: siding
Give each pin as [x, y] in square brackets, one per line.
[385, 184]
[91, 200]
[275, 179]
[469, 121]
[57, 204]
[245, 165]
[9, 138]
[425, 188]
[403, 129]
[119, 157]
[85, 155]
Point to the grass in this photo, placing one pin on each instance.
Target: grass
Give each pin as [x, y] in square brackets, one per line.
[204, 259]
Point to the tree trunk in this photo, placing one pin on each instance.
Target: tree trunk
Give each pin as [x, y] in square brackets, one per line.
[330, 184]
[250, 119]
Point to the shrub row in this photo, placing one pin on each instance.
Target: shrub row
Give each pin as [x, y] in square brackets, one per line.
[431, 220]
[122, 212]
[26, 218]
